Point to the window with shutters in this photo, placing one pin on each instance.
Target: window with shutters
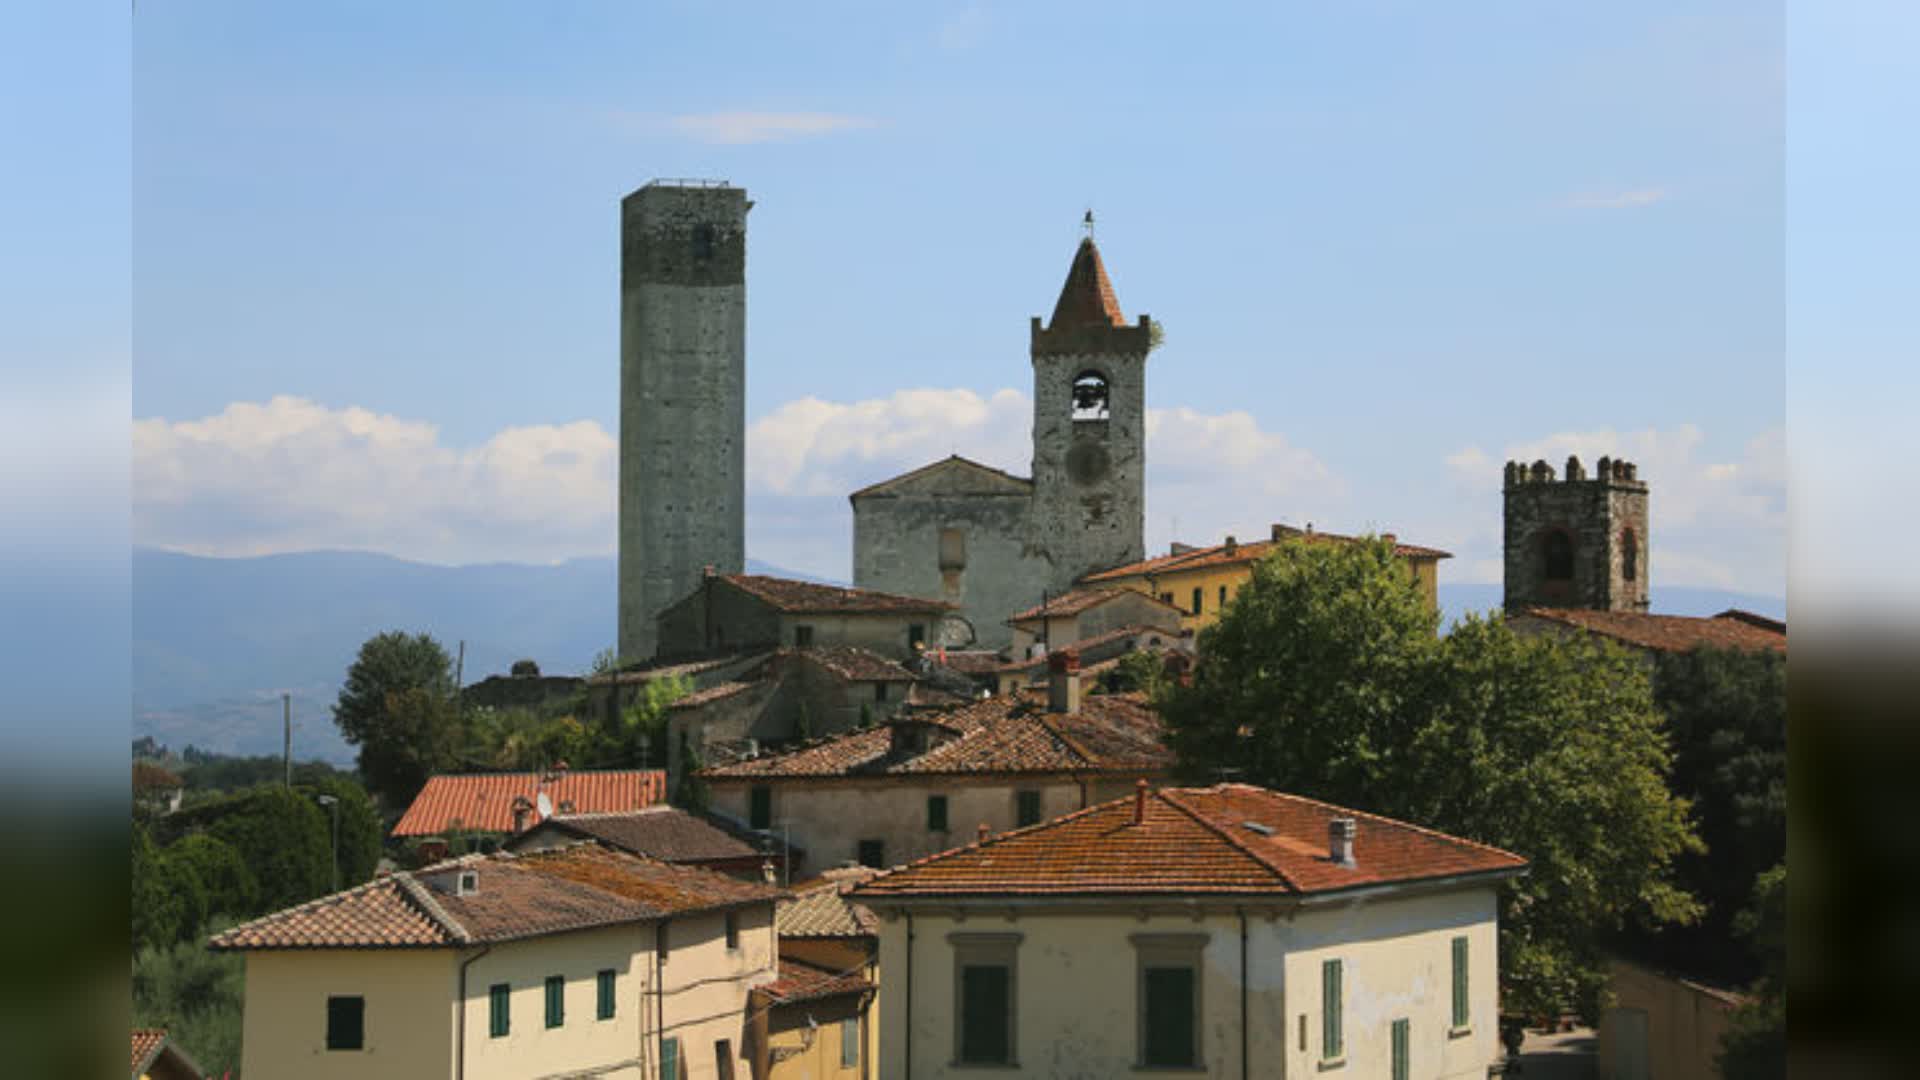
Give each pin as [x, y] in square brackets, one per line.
[603, 994]
[1168, 984]
[760, 807]
[936, 813]
[1223, 596]
[556, 1000]
[346, 1022]
[1461, 1013]
[1401, 1051]
[850, 1043]
[1197, 594]
[1026, 809]
[1331, 998]
[986, 989]
[723, 1059]
[803, 636]
[499, 1016]
[670, 1059]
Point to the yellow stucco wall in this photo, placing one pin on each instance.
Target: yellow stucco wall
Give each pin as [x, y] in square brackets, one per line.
[797, 1060]
[1176, 586]
[410, 1019]
[829, 818]
[1660, 1027]
[1076, 987]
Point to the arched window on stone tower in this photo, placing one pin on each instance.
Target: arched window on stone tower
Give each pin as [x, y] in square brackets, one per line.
[1629, 555]
[1090, 396]
[1558, 550]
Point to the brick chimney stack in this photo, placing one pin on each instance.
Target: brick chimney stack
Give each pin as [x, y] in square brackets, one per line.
[1140, 800]
[1063, 681]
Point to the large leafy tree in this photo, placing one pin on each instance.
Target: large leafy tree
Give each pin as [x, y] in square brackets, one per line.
[359, 826]
[397, 708]
[1327, 677]
[282, 837]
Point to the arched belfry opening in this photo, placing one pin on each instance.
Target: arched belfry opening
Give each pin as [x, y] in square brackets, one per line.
[1091, 396]
[1629, 556]
[1557, 550]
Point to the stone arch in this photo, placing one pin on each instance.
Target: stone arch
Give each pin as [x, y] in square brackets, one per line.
[1092, 395]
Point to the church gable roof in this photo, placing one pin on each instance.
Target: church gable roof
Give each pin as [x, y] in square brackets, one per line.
[953, 475]
[1087, 298]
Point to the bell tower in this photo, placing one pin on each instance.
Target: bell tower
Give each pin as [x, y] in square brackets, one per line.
[1089, 426]
[1576, 541]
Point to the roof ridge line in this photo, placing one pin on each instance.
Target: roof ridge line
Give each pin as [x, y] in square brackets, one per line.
[415, 891]
[992, 838]
[1044, 718]
[1347, 810]
[1167, 795]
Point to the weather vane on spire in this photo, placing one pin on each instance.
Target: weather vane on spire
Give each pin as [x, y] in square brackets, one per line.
[1087, 223]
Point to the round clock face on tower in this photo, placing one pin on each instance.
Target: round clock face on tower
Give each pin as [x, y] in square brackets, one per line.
[1087, 462]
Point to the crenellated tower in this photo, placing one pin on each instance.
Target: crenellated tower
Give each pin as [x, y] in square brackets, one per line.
[1576, 541]
[1089, 427]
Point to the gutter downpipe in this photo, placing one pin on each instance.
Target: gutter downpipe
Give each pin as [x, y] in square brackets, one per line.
[660, 996]
[1245, 1066]
[908, 1018]
[460, 1023]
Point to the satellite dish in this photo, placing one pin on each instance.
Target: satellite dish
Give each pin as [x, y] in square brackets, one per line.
[544, 805]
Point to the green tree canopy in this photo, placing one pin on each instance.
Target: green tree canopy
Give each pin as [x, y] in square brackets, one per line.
[397, 708]
[360, 830]
[1327, 678]
[230, 887]
[282, 836]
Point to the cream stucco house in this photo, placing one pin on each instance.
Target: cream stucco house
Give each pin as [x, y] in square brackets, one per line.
[1227, 931]
[571, 961]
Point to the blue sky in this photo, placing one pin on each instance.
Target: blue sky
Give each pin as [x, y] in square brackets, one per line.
[375, 258]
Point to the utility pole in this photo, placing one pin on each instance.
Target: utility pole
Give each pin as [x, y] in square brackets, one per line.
[333, 803]
[459, 669]
[286, 723]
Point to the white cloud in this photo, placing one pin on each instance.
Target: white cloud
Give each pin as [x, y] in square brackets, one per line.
[1617, 200]
[745, 127]
[815, 447]
[1718, 523]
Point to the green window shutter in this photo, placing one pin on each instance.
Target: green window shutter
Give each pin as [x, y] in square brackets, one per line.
[499, 1015]
[1330, 1001]
[1169, 1021]
[936, 813]
[850, 1043]
[556, 1000]
[1029, 808]
[346, 1023]
[1460, 1013]
[760, 807]
[984, 1000]
[1400, 1066]
[604, 986]
[670, 1059]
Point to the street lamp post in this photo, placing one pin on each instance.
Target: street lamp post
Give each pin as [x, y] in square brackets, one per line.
[333, 802]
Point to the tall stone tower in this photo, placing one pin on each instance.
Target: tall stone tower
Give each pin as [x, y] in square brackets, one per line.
[683, 358]
[1577, 541]
[1089, 427]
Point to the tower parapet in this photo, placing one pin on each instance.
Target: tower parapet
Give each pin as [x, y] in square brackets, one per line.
[1574, 540]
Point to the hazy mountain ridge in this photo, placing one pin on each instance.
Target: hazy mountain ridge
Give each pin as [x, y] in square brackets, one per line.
[216, 641]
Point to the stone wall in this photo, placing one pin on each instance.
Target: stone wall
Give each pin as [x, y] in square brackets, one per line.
[897, 546]
[1089, 475]
[682, 397]
[1601, 516]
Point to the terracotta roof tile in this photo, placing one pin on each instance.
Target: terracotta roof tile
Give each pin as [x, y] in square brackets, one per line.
[812, 598]
[1674, 633]
[716, 692]
[647, 672]
[968, 661]
[483, 802]
[1077, 601]
[1191, 841]
[661, 832]
[518, 896]
[800, 981]
[823, 910]
[999, 735]
[1087, 297]
[855, 663]
[1118, 634]
[146, 1044]
[1223, 555]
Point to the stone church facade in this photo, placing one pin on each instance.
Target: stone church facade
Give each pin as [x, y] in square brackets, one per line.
[991, 543]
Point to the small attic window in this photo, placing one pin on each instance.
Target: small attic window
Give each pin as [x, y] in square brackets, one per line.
[467, 883]
[1090, 396]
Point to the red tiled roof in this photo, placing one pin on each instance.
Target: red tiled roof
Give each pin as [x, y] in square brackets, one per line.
[967, 661]
[999, 735]
[647, 672]
[1192, 841]
[146, 1044]
[812, 598]
[580, 887]
[800, 981]
[1079, 600]
[483, 802]
[1039, 663]
[1222, 555]
[1087, 298]
[854, 663]
[823, 910]
[661, 832]
[1673, 633]
[716, 692]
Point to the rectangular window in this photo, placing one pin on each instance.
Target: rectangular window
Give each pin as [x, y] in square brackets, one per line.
[556, 1000]
[1460, 1012]
[1223, 596]
[1166, 598]
[760, 807]
[1168, 992]
[603, 994]
[803, 636]
[346, 1023]
[1026, 809]
[983, 969]
[1400, 1050]
[733, 931]
[499, 1018]
[723, 1059]
[670, 1059]
[953, 549]
[916, 634]
[1330, 1000]
[880, 691]
[936, 813]
[850, 1043]
[872, 853]
[1196, 599]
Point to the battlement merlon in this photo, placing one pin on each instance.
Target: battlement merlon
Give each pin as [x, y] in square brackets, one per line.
[1091, 339]
[1608, 472]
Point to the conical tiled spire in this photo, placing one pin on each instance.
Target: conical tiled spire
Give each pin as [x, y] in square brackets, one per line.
[1087, 298]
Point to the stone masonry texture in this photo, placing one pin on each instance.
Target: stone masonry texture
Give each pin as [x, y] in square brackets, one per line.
[682, 397]
[1602, 516]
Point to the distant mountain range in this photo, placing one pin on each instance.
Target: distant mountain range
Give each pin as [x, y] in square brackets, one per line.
[217, 641]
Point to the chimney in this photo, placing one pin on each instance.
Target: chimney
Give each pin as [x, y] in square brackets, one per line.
[1340, 832]
[1233, 545]
[521, 808]
[984, 832]
[1063, 681]
[1140, 800]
